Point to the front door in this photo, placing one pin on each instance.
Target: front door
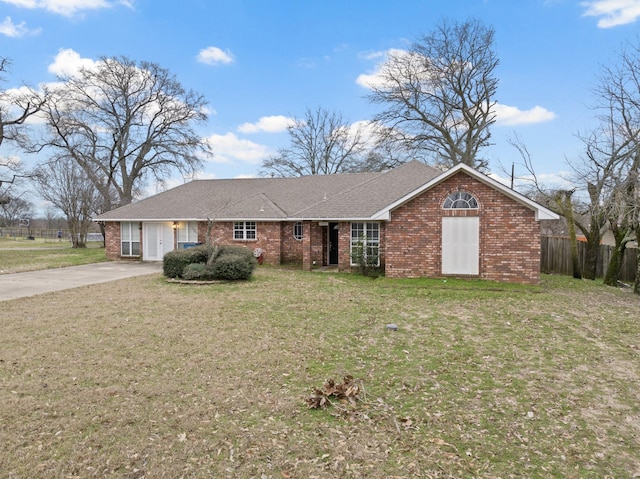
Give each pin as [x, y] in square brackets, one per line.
[158, 240]
[333, 243]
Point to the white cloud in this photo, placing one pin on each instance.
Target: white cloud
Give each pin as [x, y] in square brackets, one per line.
[10, 29]
[68, 8]
[372, 55]
[395, 63]
[375, 78]
[268, 124]
[68, 62]
[511, 115]
[227, 148]
[612, 12]
[8, 105]
[215, 56]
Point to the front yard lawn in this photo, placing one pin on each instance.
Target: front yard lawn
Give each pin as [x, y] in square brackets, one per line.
[143, 378]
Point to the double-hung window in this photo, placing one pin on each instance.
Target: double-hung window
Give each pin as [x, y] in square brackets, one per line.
[244, 230]
[187, 233]
[365, 243]
[130, 238]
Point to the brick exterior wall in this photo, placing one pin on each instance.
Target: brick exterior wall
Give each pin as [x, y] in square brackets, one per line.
[313, 251]
[410, 244]
[291, 250]
[268, 236]
[112, 240]
[509, 234]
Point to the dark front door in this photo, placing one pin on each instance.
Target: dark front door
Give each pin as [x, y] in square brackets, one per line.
[333, 243]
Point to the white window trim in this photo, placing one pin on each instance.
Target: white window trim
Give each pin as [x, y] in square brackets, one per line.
[187, 232]
[134, 231]
[296, 225]
[368, 242]
[454, 201]
[245, 230]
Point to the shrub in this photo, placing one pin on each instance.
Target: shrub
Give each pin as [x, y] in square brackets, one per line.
[235, 250]
[194, 271]
[230, 262]
[174, 262]
[366, 258]
[232, 267]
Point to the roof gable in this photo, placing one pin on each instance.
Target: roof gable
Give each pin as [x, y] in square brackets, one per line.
[541, 212]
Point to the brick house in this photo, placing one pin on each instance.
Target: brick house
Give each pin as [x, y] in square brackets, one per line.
[415, 220]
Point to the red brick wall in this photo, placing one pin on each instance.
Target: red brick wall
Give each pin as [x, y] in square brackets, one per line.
[291, 251]
[267, 238]
[509, 234]
[112, 240]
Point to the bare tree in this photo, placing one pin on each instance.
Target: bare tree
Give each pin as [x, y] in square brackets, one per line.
[124, 123]
[619, 96]
[438, 95]
[322, 143]
[16, 106]
[383, 154]
[65, 185]
[16, 209]
[560, 201]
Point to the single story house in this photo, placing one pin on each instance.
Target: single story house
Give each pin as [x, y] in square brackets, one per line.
[414, 220]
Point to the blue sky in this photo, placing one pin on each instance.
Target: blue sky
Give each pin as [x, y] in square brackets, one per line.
[260, 62]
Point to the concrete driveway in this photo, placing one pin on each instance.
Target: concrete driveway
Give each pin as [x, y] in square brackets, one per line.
[20, 285]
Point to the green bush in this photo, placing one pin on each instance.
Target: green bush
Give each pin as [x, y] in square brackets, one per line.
[230, 262]
[366, 258]
[194, 271]
[232, 267]
[234, 250]
[174, 262]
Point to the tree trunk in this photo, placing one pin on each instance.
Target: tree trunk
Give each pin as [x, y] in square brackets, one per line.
[78, 236]
[636, 284]
[615, 262]
[591, 258]
[567, 208]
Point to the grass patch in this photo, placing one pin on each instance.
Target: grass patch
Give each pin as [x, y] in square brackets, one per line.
[144, 378]
[20, 256]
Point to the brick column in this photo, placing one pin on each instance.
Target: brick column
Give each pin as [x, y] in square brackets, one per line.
[307, 243]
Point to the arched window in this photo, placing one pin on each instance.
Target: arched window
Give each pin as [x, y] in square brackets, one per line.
[460, 200]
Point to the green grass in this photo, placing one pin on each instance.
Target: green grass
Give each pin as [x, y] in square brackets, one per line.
[143, 378]
[25, 255]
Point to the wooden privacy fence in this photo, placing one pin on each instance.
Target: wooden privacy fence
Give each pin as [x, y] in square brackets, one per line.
[555, 258]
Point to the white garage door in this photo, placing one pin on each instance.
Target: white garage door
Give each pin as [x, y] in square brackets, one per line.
[461, 245]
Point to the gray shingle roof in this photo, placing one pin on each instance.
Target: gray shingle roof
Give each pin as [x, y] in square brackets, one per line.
[331, 197]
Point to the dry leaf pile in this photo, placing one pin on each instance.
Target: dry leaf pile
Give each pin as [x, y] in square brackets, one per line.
[346, 393]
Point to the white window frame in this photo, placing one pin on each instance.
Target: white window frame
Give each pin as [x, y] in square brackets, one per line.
[369, 234]
[245, 231]
[298, 231]
[460, 200]
[187, 232]
[130, 238]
